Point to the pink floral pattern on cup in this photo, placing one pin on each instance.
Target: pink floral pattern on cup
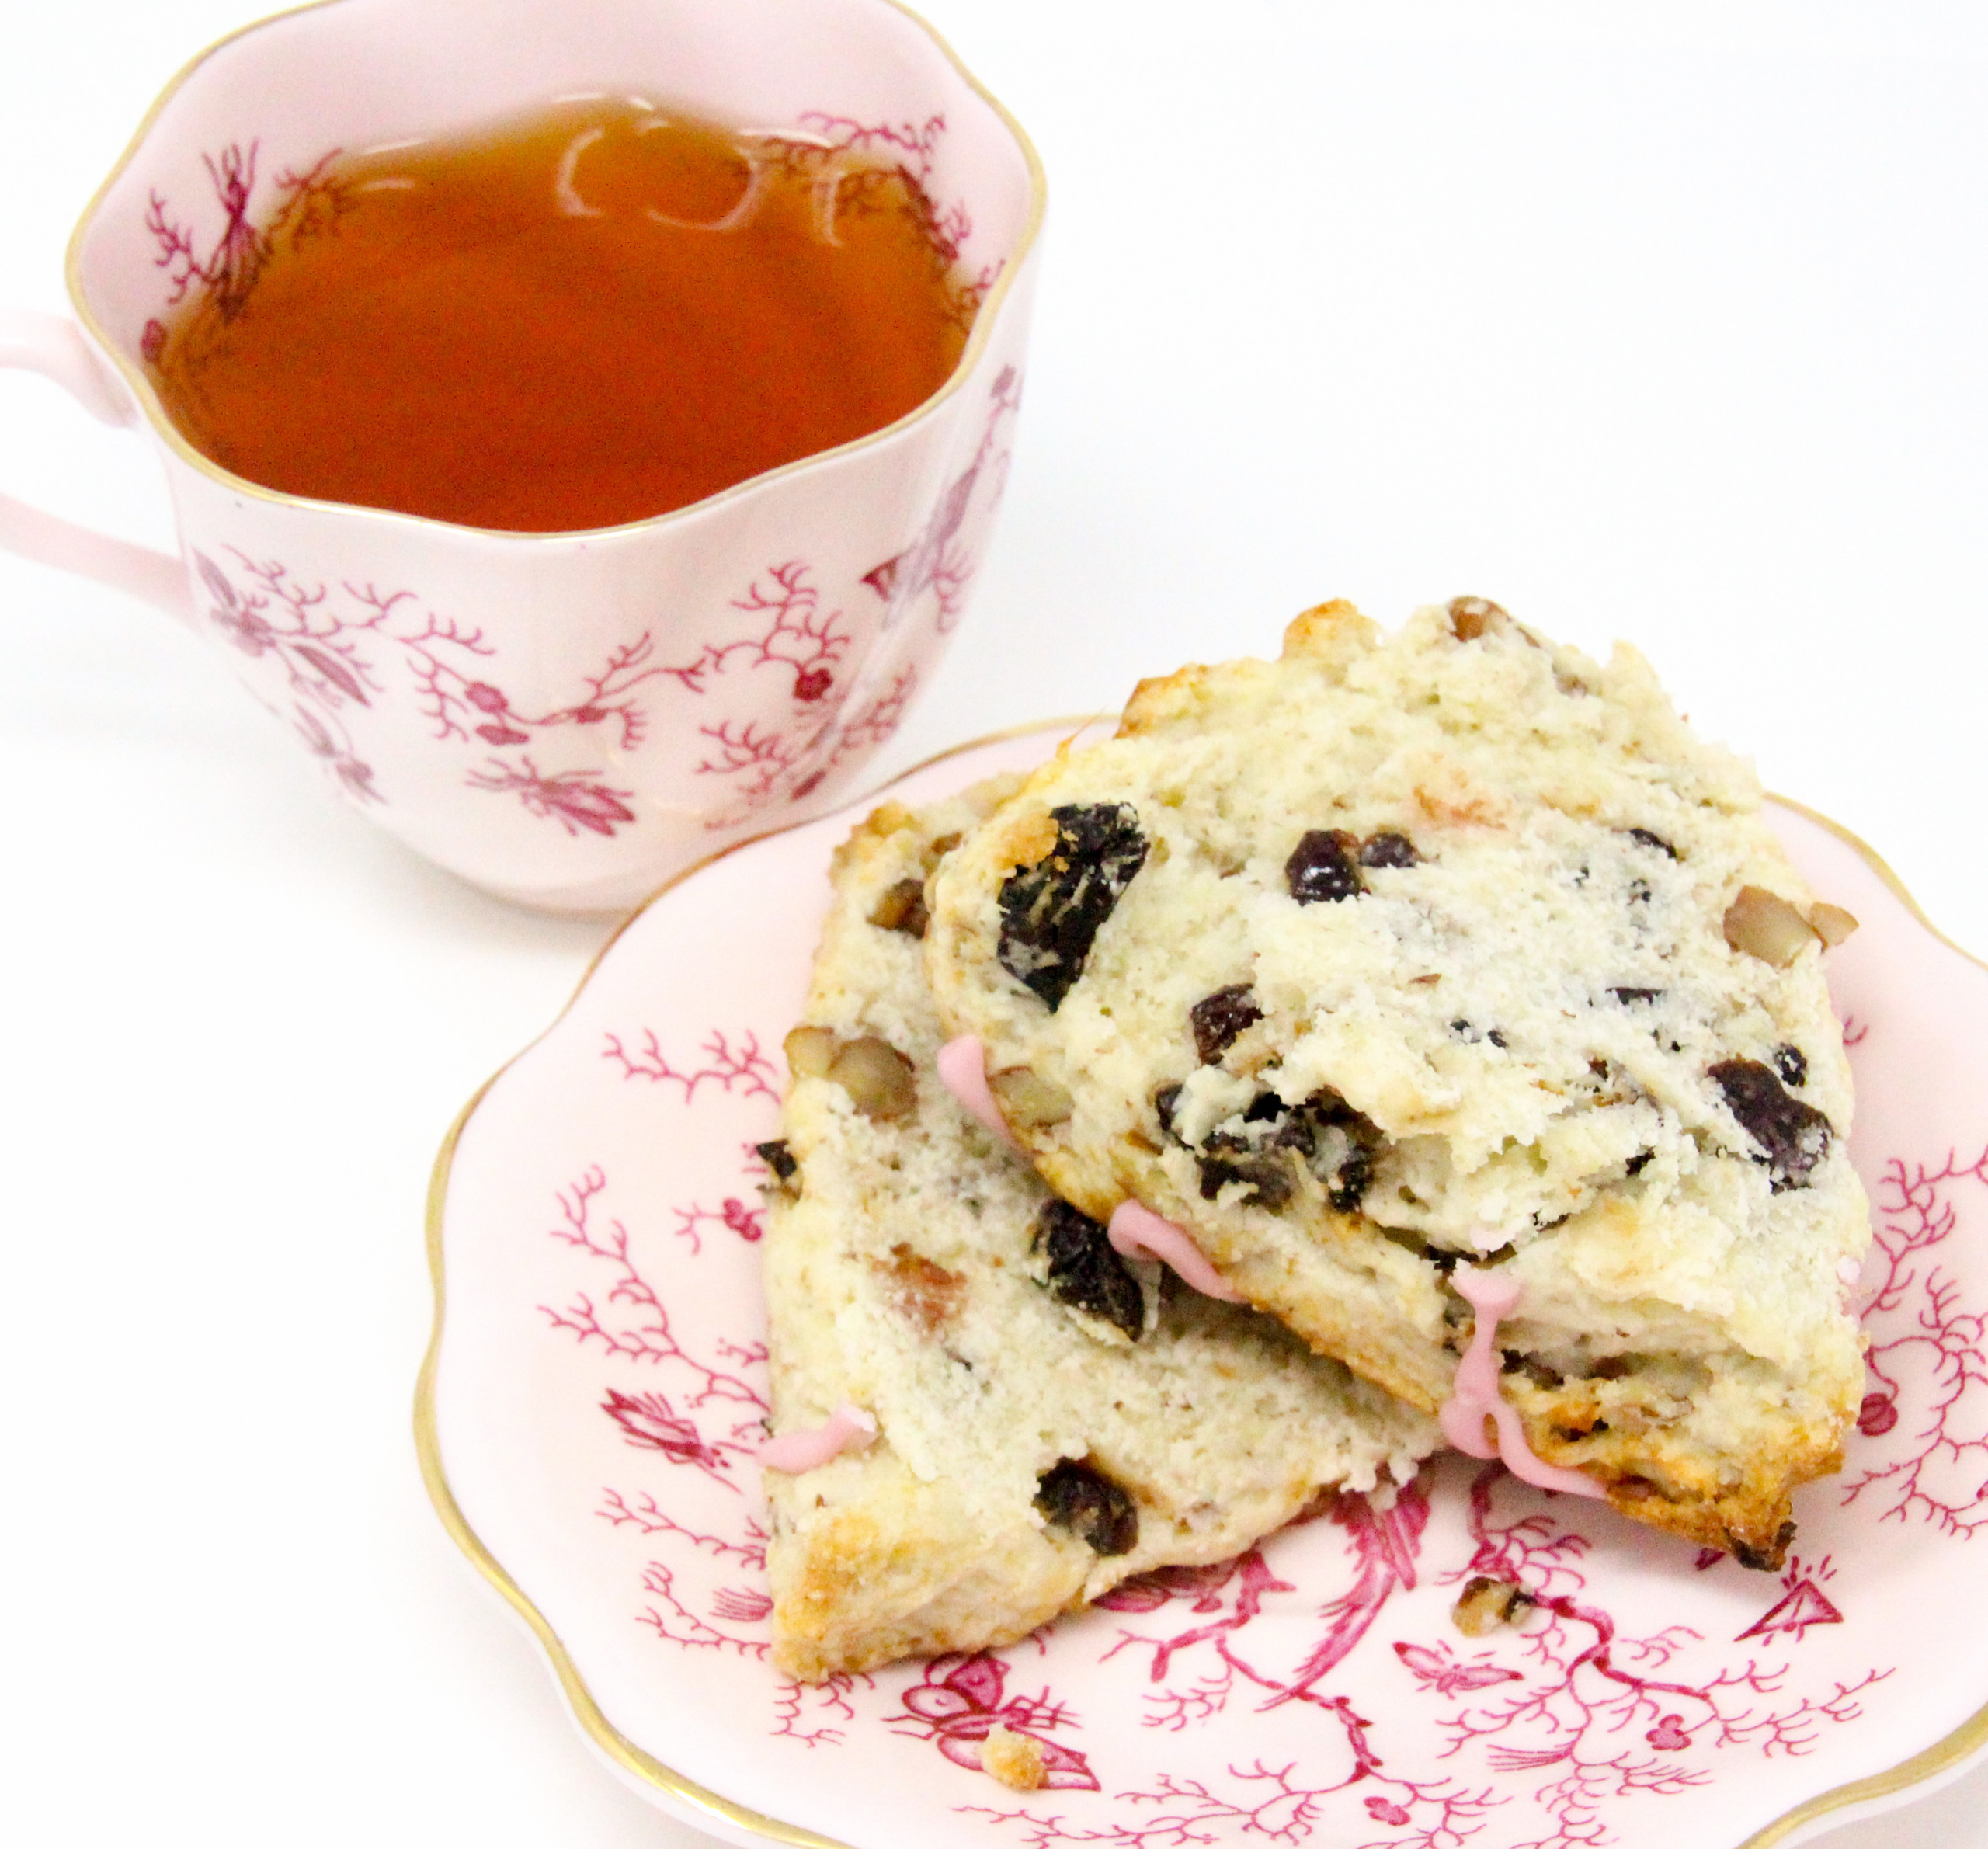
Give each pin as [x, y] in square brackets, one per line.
[337, 654]
[1313, 1691]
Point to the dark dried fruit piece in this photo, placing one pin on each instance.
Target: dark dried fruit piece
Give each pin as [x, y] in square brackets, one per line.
[1639, 1162]
[1649, 840]
[1084, 1270]
[1269, 1184]
[1297, 1131]
[778, 1157]
[1325, 1106]
[1051, 912]
[902, 909]
[1389, 849]
[1512, 1361]
[1322, 866]
[1306, 1131]
[1795, 1136]
[1217, 1019]
[1349, 1183]
[1323, 1131]
[1793, 1064]
[1073, 1496]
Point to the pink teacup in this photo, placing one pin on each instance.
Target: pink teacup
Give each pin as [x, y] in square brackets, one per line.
[566, 719]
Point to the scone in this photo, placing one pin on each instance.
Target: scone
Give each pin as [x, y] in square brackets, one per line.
[1047, 1422]
[1407, 975]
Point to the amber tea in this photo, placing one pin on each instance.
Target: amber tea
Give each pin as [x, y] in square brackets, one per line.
[596, 313]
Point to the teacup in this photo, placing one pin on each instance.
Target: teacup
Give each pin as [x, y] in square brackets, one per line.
[565, 719]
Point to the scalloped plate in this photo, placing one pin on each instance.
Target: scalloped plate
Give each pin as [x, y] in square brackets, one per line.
[589, 1406]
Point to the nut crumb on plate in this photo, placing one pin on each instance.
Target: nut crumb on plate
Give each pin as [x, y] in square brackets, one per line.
[1015, 1759]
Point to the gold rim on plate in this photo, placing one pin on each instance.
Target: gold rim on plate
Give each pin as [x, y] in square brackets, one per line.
[1968, 1738]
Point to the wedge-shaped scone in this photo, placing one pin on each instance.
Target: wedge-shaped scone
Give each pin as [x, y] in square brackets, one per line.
[1047, 1425]
[1451, 947]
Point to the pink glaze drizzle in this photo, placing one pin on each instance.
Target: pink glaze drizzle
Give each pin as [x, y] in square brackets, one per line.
[847, 1428]
[1475, 1397]
[1136, 1231]
[963, 1071]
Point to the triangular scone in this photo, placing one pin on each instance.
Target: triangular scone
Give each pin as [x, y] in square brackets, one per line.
[1038, 1441]
[1450, 946]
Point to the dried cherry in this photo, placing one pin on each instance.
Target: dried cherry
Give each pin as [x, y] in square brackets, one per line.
[1084, 1270]
[1051, 912]
[1322, 867]
[778, 1157]
[1218, 1018]
[1794, 1136]
[1268, 1181]
[1085, 1501]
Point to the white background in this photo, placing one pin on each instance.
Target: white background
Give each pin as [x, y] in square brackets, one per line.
[1664, 321]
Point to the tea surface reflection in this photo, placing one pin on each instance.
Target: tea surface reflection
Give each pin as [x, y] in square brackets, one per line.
[588, 315]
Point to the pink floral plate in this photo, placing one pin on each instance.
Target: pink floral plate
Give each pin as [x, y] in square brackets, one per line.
[589, 1411]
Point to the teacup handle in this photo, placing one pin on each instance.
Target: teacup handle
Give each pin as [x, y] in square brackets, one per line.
[55, 348]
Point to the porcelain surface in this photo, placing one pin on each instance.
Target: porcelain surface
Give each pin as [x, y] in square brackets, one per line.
[593, 1400]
